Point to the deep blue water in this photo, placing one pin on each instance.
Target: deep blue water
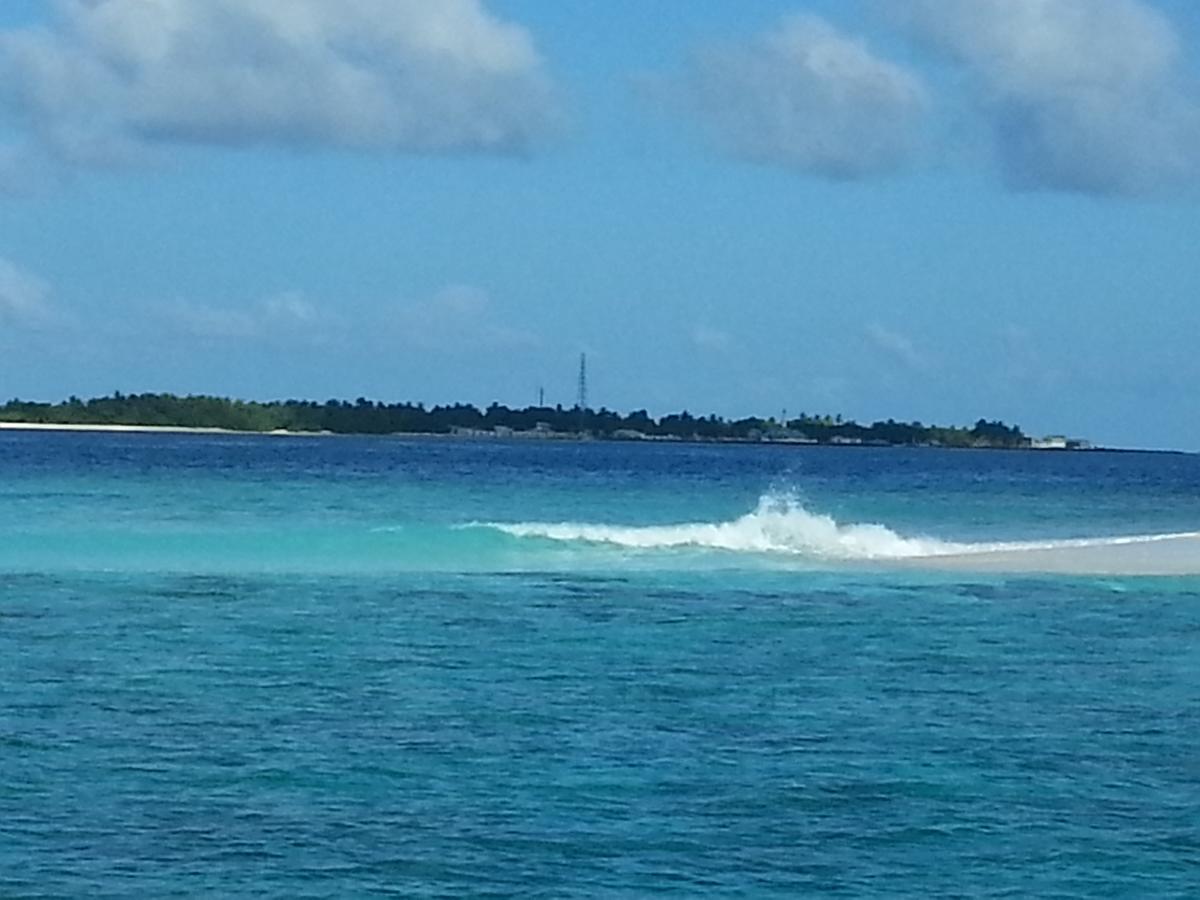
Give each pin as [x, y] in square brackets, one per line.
[290, 667]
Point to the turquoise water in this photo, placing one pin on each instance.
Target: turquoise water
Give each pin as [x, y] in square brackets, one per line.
[290, 667]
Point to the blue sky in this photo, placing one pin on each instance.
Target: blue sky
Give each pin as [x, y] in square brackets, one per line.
[923, 209]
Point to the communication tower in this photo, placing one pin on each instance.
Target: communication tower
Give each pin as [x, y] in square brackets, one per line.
[582, 400]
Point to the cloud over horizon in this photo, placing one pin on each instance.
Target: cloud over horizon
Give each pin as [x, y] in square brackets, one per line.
[287, 316]
[806, 97]
[897, 346]
[1085, 96]
[455, 318]
[25, 299]
[106, 81]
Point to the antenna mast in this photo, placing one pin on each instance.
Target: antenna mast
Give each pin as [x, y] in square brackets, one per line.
[582, 401]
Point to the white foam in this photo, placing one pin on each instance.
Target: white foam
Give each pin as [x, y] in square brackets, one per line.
[780, 524]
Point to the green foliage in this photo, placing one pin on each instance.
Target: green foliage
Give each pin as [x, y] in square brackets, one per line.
[365, 416]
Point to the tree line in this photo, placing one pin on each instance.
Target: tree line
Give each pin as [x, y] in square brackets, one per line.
[364, 416]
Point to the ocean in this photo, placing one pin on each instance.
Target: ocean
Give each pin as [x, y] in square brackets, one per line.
[261, 666]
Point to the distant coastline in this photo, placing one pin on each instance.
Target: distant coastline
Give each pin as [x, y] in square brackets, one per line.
[168, 413]
[78, 426]
[140, 429]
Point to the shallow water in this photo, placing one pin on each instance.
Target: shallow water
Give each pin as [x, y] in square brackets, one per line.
[341, 667]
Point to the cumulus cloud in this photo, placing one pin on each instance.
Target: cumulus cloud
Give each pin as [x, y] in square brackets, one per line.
[25, 299]
[1082, 95]
[113, 78]
[806, 97]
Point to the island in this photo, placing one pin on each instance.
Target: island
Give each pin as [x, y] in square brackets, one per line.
[169, 412]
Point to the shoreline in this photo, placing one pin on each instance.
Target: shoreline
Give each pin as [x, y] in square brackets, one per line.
[1169, 555]
[149, 429]
[124, 428]
[165, 412]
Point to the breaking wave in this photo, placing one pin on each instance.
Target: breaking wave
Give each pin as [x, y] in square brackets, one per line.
[780, 524]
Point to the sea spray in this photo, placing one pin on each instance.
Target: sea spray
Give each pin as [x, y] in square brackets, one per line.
[780, 524]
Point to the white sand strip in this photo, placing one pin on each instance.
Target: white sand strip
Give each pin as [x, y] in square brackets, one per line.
[1178, 555]
[165, 429]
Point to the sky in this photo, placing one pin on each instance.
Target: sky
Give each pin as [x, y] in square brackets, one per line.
[932, 210]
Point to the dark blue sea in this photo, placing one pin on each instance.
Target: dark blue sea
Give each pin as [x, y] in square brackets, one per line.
[301, 667]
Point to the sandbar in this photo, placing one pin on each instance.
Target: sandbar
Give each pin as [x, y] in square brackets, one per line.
[1167, 555]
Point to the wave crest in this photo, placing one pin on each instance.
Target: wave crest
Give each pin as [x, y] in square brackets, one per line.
[778, 524]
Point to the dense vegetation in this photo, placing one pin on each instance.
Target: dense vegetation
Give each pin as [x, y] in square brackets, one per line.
[366, 417]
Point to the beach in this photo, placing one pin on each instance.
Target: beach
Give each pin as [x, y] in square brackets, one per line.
[113, 428]
[1152, 555]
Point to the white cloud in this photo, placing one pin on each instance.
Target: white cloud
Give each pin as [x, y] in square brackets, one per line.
[1082, 95]
[710, 339]
[806, 97]
[897, 346]
[458, 317]
[112, 78]
[25, 299]
[292, 308]
[288, 316]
